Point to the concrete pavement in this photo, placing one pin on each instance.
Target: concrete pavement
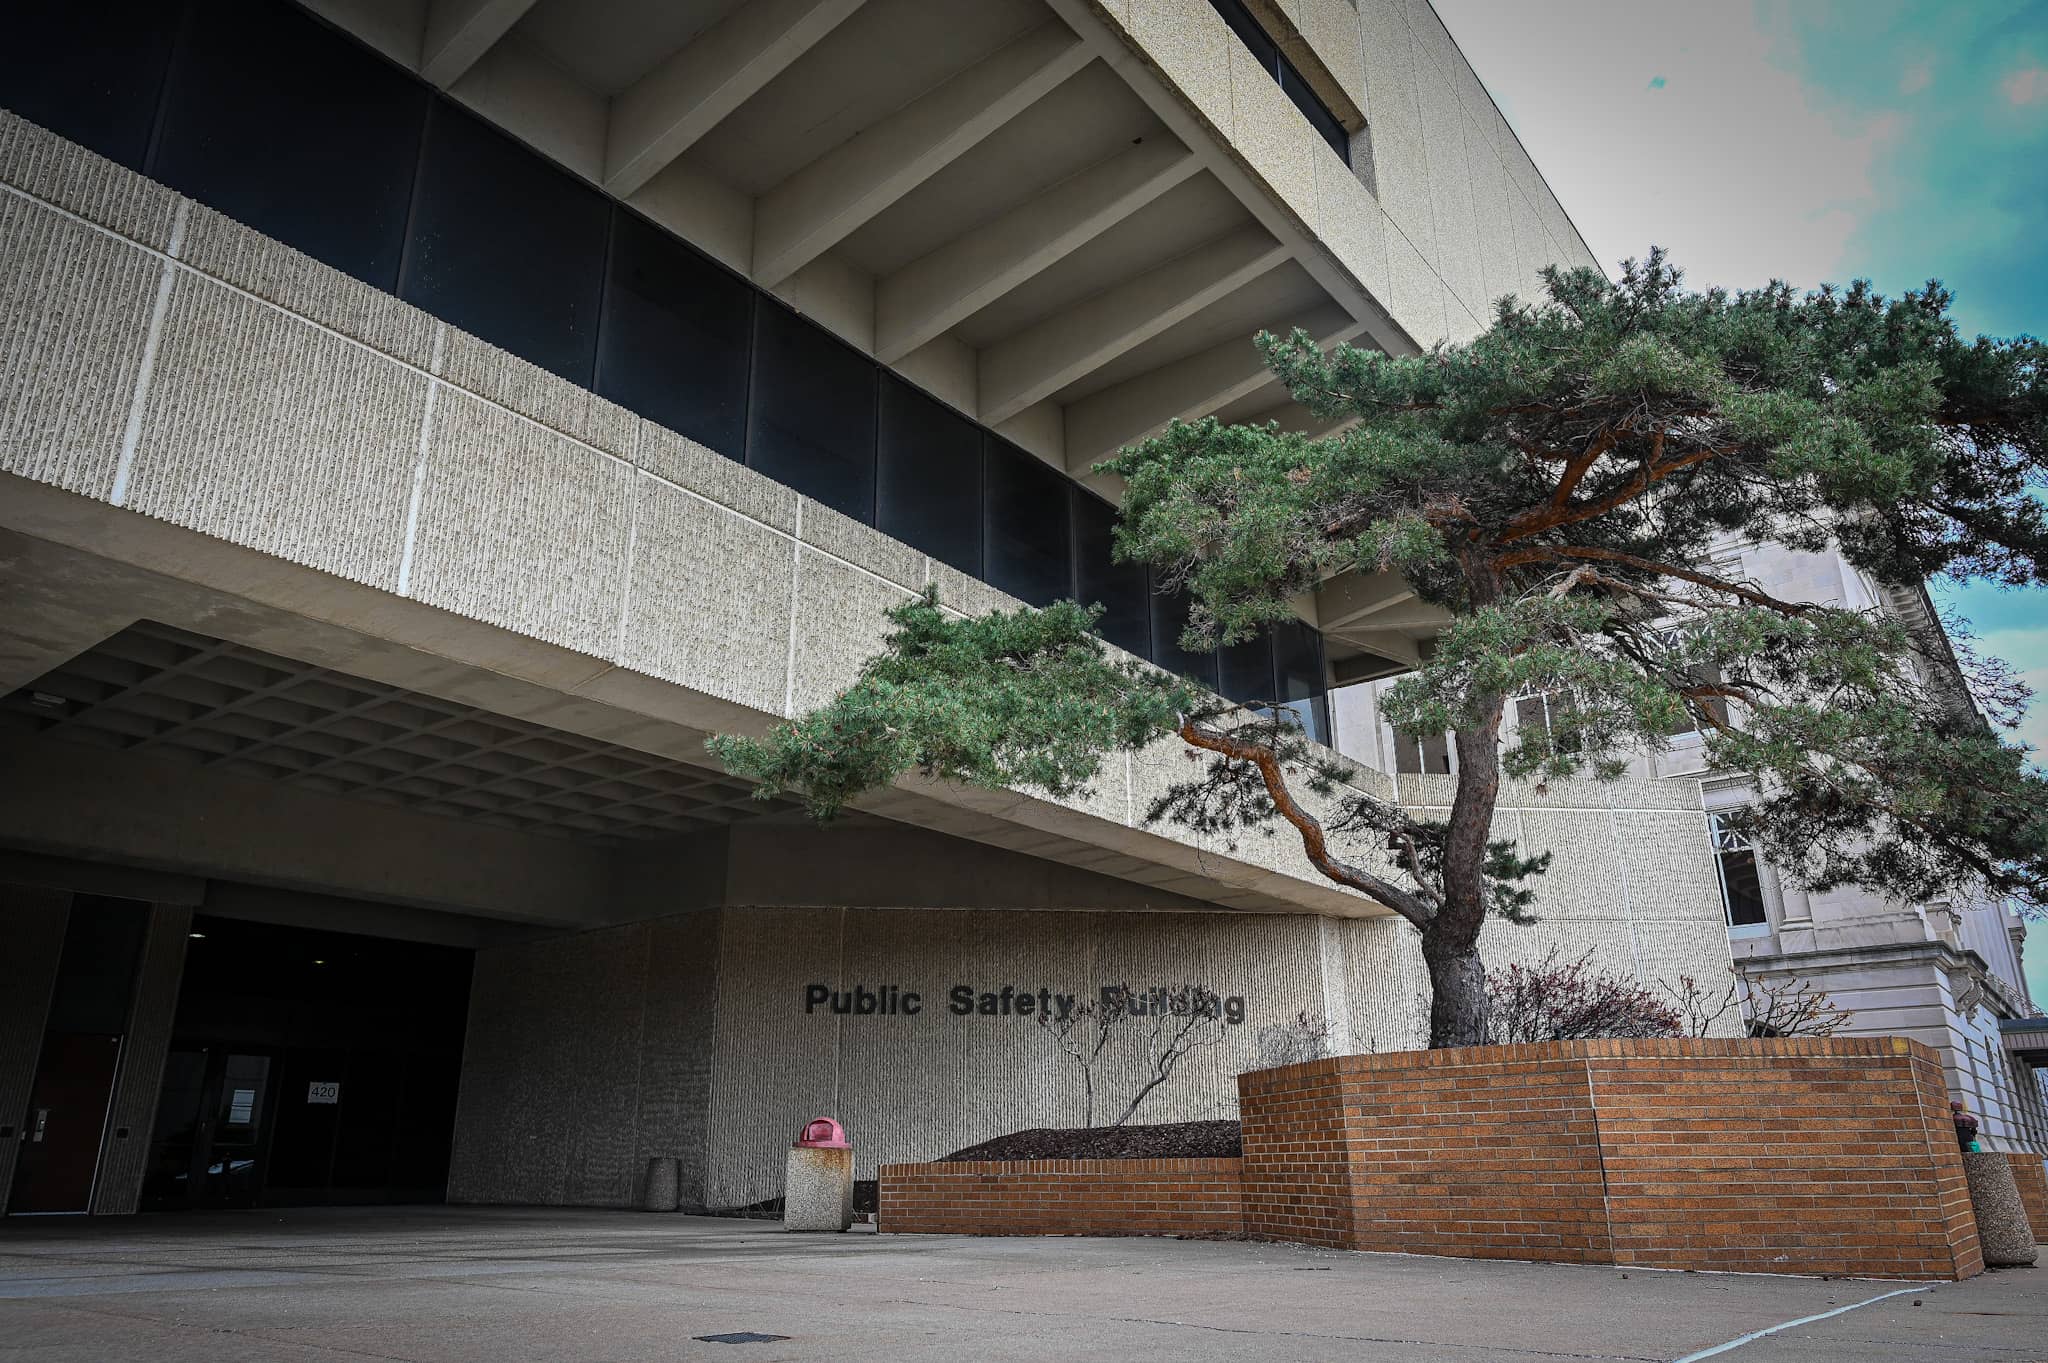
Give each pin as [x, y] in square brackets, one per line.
[497, 1285]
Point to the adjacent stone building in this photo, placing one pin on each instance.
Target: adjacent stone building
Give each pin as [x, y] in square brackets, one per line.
[423, 421]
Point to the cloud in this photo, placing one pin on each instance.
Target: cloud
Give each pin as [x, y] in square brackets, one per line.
[1725, 158]
[2026, 86]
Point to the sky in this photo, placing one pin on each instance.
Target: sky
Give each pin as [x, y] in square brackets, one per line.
[1815, 141]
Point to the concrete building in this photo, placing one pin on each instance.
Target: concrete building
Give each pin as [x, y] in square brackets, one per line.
[423, 421]
[1947, 973]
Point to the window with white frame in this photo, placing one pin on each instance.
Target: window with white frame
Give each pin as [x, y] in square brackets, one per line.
[1549, 711]
[1742, 887]
[1430, 756]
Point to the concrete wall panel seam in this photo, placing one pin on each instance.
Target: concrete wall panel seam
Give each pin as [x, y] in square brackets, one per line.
[419, 473]
[796, 563]
[131, 435]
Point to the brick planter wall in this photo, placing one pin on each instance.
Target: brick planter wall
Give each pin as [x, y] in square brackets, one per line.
[2028, 1173]
[1792, 1156]
[1063, 1197]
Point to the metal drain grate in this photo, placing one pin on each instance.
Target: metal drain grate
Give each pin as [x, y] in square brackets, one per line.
[740, 1337]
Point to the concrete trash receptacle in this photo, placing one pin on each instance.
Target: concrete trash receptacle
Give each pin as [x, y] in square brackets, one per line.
[817, 1191]
[663, 1189]
[2002, 1229]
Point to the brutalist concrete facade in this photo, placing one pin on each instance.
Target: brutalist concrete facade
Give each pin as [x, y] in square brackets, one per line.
[213, 444]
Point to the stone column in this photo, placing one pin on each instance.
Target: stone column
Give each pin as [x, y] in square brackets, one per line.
[124, 1151]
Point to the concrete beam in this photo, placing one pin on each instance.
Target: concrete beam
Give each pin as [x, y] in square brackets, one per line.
[936, 292]
[1102, 423]
[460, 31]
[1047, 356]
[685, 97]
[825, 202]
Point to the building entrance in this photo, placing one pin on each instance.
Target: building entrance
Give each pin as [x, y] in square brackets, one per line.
[308, 1067]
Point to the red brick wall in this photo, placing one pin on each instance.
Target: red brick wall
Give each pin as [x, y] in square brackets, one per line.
[1301, 1185]
[1794, 1156]
[1488, 1153]
[1833, 1157]
[2033, 1181]
[1063, 1197]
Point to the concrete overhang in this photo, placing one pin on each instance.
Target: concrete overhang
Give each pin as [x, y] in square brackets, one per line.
[2026, 1038]
[1035, 209]
[74, 572]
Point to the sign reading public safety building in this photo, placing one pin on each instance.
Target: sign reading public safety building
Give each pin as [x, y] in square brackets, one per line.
[965, 1000]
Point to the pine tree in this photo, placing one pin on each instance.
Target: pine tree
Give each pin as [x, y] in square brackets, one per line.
[1563, 487]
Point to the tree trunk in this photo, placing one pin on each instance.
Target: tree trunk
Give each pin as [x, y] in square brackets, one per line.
[1450, 944]
[1457, 981]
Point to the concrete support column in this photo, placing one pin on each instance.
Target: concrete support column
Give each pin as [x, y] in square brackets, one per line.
[32, 922]
[124, 1151]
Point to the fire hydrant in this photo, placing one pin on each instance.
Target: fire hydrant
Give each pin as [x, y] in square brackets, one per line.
[817, 1191]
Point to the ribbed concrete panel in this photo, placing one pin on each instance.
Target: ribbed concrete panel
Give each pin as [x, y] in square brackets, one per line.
[537, 393]
[839, 624]
[1671, 951]
[42, 164]
[863, 546]
[600, 1090]
[125, 1158]
[550, 1072]
[1384, 974]
[685, 622]
[1586, 879]
[775, 1066]
[74, 311]
[936, 1082]
[266, 432]
[521, 528]
[676, 1049]
[35, 920]
[711, 475]
[219, 246]
[1670, 866]
[968, 595]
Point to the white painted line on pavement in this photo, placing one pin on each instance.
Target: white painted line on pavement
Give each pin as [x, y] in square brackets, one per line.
[1755, 1335]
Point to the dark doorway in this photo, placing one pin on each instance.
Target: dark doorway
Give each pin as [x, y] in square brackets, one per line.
[74, 1083]
[308, 1067]
[67, 1111]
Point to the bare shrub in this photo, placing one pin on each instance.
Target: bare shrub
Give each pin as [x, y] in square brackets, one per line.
[1163, 1025]
[1780, 1007]
[1557, 1000]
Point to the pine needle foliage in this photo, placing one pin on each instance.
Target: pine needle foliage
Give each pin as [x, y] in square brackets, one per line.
[1567, 488]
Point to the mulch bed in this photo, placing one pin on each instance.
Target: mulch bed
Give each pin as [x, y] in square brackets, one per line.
[1168, 1140]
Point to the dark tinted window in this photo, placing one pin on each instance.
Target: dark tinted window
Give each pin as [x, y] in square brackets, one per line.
[283, 124]
[506, 246]
[1298, 663]
[96, 974]
[676, 337]
[1246, 671]
[89, 72]
[1026, 547]
[1119, 588]
[812, 424]
[928, 487]
[1274, 63]
[1169, 618]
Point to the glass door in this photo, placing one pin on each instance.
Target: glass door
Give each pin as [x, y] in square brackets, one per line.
[212, 1130]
